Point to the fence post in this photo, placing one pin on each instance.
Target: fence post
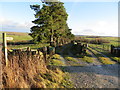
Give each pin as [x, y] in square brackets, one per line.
[5, 48]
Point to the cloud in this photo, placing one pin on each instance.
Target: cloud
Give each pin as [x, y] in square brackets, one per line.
[101, 28]
[9, 25]
[88, 32]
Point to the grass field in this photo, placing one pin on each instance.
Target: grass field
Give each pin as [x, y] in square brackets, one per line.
[24, 37]
[21, 37]
[32, 46]
[112, 40]
[18, 36]
[106, 47]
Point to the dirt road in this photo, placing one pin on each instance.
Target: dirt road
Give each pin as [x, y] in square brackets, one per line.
[99, 76]
[95, 75]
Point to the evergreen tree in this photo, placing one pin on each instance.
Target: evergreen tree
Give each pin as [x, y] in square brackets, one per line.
[50, 22]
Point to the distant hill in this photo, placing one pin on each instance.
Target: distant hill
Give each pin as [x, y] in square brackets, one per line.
[93, 36]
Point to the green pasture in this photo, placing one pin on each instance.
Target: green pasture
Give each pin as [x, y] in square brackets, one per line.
[21, 37]
[18, 36]
[32, 46]
[112, 40]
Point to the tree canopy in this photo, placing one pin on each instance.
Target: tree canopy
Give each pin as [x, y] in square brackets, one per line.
[50, 23]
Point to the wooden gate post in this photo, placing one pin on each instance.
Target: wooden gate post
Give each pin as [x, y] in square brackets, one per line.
[5, 48]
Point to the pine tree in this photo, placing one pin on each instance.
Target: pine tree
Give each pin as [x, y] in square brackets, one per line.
[50, 22]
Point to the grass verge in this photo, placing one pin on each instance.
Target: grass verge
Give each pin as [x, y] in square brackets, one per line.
[70, 59]
[103, 59]
[87, 58]
[108, 54]
[56, 62]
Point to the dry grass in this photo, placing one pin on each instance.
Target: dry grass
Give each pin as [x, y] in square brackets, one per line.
[21, 71]
[30, 71]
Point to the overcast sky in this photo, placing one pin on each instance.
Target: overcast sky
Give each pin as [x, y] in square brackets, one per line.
[85, 18]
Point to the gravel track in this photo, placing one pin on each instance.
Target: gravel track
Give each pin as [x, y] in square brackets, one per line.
[103, 55]
[101, 76]
[93, 75]
[95, 60]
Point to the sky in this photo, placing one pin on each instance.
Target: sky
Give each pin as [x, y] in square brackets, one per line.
[85, 18]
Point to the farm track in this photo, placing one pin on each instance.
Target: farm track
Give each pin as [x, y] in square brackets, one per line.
[93, 75]
[81, 62]
[95, 59]
[103, 55]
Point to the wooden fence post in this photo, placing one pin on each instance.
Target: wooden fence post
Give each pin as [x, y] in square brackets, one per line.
[5, 48]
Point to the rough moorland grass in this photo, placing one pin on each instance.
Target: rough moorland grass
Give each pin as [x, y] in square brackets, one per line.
[32, 73]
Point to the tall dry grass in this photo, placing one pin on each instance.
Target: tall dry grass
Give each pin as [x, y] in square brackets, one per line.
[26, 70]
[21, 70]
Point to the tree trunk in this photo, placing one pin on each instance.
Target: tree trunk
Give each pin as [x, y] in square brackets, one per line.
[51, 39]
